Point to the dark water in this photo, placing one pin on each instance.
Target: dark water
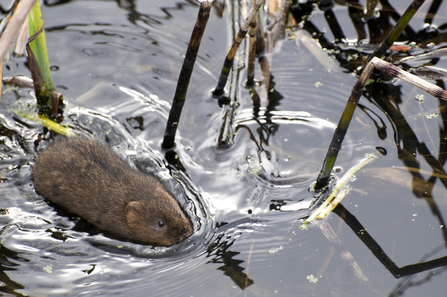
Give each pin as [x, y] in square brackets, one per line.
[117, 63]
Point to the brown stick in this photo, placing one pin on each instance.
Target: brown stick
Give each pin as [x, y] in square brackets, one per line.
[185, 74]
[430, 88]
[252, 51]
[327, 230]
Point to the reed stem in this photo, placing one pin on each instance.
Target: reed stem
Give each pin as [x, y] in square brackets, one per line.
[185, 75]
[232, 52]
[397, 30]
[14, 26]
[340, 131]
[252, 51]
[43, 83]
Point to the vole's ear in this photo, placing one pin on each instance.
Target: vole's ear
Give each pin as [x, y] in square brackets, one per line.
[132, 212]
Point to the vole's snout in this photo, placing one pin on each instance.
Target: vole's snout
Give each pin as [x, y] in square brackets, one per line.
[184, 233]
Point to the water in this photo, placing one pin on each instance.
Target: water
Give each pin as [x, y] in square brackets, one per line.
[117, 66]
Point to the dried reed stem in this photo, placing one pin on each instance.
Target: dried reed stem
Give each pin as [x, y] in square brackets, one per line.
[232, 52]
[14, 26]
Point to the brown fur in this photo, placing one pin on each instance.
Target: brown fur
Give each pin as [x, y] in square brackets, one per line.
[88, 179]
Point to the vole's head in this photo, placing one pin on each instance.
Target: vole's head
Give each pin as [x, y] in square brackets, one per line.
[157, 219]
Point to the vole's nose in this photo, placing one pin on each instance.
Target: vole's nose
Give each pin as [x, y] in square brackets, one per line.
[184, 233]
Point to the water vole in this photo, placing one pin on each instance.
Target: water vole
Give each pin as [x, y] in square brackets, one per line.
[88, 179]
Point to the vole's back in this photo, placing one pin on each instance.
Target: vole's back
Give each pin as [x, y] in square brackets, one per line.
[79, 174]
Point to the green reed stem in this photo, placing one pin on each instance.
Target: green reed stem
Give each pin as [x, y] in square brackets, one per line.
[397, 30]
[340, 131]
[39, 49]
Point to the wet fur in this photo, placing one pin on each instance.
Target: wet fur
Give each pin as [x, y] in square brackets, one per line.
[88, 179]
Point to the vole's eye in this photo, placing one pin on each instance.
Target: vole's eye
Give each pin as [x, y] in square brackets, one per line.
[161, 223]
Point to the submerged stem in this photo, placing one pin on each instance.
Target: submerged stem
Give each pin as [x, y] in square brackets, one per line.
[338, 192]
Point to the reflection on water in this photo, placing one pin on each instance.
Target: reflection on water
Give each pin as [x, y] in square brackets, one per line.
[219, 253]
[9, 261]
